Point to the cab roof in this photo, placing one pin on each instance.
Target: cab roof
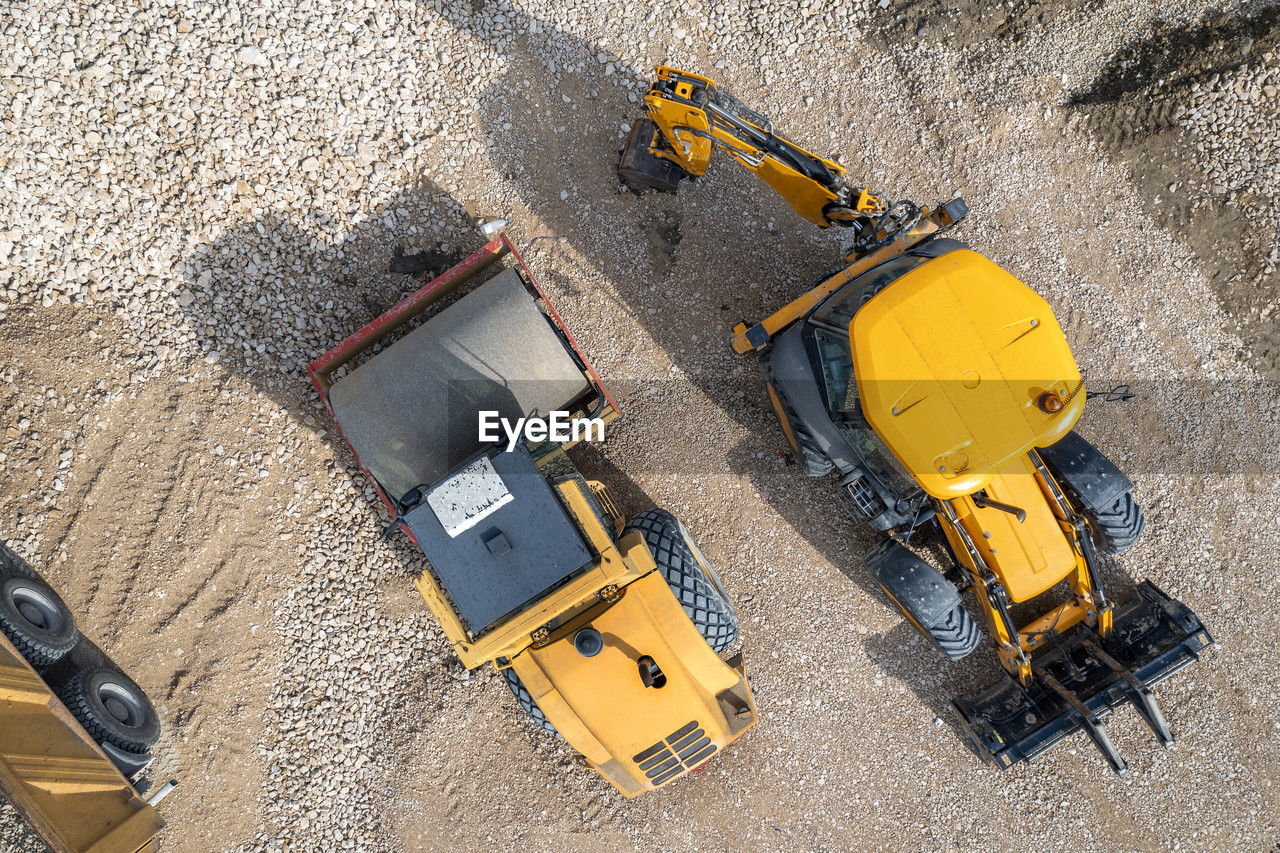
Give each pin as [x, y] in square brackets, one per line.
[951, 360]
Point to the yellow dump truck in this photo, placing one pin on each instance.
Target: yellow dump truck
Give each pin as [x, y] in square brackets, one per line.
[71, 726]
[611, 633]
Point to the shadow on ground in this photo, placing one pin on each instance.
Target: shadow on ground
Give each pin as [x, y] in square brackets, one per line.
[1135, 108]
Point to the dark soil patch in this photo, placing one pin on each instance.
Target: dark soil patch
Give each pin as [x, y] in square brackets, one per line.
[1134, 107]
[961, 23]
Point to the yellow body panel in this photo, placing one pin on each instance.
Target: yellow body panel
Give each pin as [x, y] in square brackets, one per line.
[951, 360]
[807, 197]
[1029, 556]
[57, 777]
[600, 705]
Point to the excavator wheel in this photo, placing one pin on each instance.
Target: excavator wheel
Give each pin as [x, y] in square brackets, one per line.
[929, 601]
[640, 170]
[1118, 527]
[816, 463]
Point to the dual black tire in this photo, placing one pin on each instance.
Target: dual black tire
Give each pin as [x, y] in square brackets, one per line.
[111, 707]
[36, 620]
[692, 581]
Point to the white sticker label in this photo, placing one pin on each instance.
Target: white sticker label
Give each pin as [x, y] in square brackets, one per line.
[468, 497]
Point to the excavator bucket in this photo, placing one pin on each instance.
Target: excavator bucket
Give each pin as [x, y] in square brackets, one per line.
[640, 169]
[1082, 677]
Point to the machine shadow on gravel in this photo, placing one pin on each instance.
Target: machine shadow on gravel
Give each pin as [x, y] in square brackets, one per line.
[266, 298]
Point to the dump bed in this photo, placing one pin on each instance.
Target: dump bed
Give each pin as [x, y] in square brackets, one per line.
[410, 412]
[57, 777]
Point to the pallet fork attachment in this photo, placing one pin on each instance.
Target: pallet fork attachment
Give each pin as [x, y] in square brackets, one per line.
[1143, 700]
[1081, 677]
[1090, 721]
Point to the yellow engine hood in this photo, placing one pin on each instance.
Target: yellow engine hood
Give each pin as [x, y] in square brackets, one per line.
[602, 708]
[951, 360]
[1029, 556]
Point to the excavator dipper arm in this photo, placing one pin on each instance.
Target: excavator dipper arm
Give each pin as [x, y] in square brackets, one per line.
[689, 117]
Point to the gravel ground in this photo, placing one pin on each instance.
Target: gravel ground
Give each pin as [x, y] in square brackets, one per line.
[197, 200]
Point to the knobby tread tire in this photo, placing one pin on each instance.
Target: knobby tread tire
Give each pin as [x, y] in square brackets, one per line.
[41, 647]
[77, 696]
[816, 463]
[697, 593]
[957, 634]
[1118, 527]
[526, 701]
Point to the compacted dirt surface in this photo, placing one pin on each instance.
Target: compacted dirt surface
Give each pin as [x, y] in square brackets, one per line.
[198, 199]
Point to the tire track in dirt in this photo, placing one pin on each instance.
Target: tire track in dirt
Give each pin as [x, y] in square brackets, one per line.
[162, 541]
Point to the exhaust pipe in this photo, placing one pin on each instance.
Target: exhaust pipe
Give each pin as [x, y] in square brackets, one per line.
[161, 792]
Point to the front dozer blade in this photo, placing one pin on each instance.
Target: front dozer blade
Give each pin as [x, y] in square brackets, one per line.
[640, 169]
[1080, 678]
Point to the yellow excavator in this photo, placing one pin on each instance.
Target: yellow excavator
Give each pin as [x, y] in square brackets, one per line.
[942, 393]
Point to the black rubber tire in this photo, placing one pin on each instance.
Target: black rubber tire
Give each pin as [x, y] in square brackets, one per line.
[111, 708]
[526, 701]
[1118, 527]
[957, 635]
[816, 463]
[35, 620]
[690, 576]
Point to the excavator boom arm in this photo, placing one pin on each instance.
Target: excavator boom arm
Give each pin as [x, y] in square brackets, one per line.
[688, 117]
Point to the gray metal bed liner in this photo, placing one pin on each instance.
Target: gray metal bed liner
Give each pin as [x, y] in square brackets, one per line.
[410, 412]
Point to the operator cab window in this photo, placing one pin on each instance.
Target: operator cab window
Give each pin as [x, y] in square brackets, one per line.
[840, 307]
[829, 332]
[835, 367]
[827, 339]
